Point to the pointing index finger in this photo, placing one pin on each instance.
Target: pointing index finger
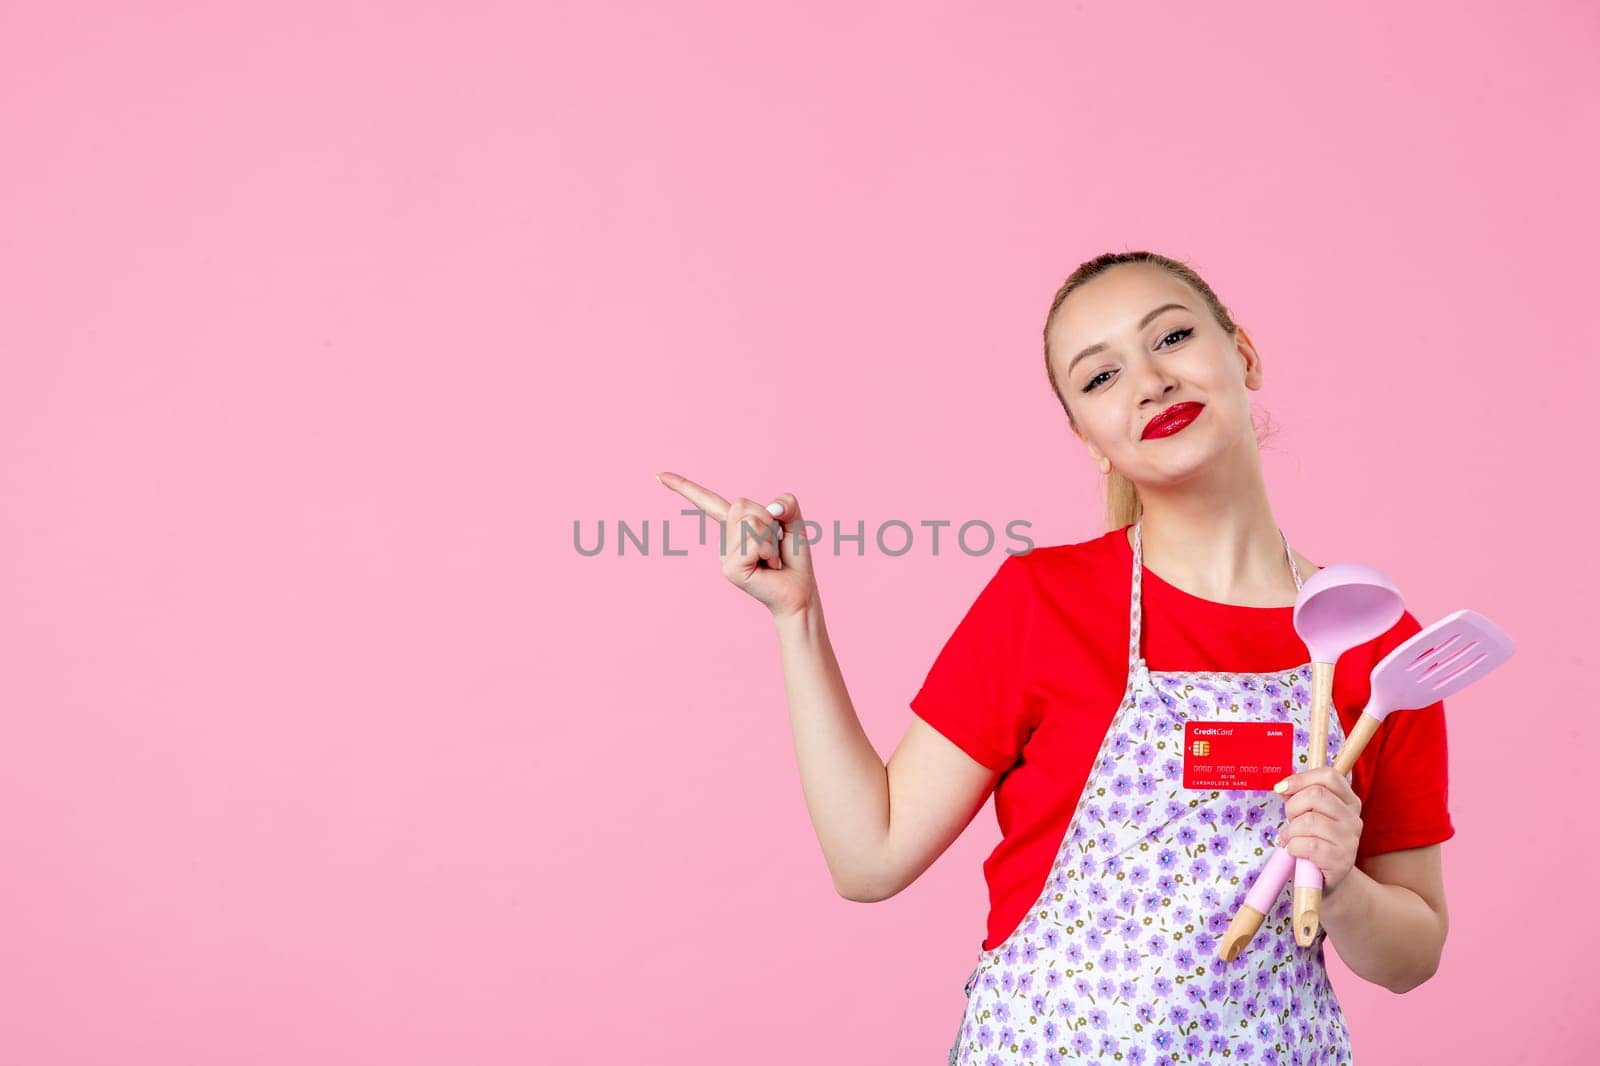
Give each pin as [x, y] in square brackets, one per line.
[699, 495]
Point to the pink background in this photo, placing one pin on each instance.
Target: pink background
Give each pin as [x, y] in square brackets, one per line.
[324, 323]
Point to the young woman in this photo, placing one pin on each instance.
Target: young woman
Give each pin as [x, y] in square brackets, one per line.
[1065, 690]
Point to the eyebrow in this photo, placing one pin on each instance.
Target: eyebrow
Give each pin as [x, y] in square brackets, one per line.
[1143, 322]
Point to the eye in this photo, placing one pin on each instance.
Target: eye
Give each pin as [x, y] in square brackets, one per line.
[1094, 382]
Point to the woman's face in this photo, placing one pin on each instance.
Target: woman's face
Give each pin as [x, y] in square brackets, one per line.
[1144, 366]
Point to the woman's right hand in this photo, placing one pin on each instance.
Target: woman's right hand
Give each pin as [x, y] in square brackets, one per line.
[771, 559]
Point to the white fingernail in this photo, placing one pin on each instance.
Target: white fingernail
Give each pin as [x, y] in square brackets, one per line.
[775, 509]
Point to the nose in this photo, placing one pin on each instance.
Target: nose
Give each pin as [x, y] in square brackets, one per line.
[1153, 382]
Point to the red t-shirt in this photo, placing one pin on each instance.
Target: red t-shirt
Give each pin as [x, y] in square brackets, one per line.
[1030, 679]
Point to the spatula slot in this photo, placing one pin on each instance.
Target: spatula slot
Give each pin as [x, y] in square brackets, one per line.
[1443, 681]
[1422, 657]
[1442, 663]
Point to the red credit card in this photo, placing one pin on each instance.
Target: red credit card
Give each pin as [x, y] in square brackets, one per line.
[1237, 755]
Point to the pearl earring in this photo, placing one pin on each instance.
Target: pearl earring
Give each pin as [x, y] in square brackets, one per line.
[1105, 465]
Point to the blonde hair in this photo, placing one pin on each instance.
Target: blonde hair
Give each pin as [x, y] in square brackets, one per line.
[1123, 506]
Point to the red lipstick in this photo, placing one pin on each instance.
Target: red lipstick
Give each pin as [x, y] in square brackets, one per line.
[1172, 420]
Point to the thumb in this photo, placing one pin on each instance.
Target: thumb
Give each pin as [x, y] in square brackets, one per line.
[785, 510]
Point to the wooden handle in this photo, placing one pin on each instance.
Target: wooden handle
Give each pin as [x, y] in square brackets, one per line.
[1243, 927]
[1240, 930]
[1308, 900]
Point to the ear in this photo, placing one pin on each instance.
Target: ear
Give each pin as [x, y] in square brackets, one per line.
[1250, 359]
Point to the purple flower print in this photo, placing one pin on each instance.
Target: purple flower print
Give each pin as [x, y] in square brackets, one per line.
[1144, 753]
[1206, 815]
[1052, 937]
[1038, 1003]
[1217, 924]
[1147, 784]
[1152, 900]
[1136, 1055]
[1254, 817]
[1147, 704]
[1161, 986]
[1127, 901]
[1125, 987]
[1145, 1012]
[1141, 811]
[1093, 812]
[1173, 769]
[1130, 929]
[1029, 1048]
[1008, 955]
[1166, 858]
[1187, 836]
[1050, 1031]
[1275, 1003]
[1193, 1045]
[1082, 1044]
[1210, 899]
[1157, 945]
[1162, 1040]
[1086, 866]
[1182, 914]
[1097, 1018]
[1244, 1050]
[1121, 785]
[1201, 869]
[1269, 1055]
[1302, 737]
[1130, 961]
[1183, 959]
[1105, 839]
[1232, 814]
[1263, 1030]
[1251, 705]
[1139, 875]
[1179, 1015]
[1108, 963]
[1094, 938]
[1300, 694]
[1071, 908]
[1108, 1044]
[1205, 943]
[1107, 764]
[1097, 891]
[1008, 1036]
[1235, 988]
[1218, 845]
[1117, 812]
[1119, 744]
[1074, 954]
[1052, 1057]
[985, 1035]
[1030, 953]
[1024, 982]
[1272, 688]
[1175, 810]
[1219, 988]
[1166, 884]
[1141, 725]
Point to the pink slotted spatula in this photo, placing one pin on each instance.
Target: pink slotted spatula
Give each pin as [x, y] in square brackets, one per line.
[1437, 661]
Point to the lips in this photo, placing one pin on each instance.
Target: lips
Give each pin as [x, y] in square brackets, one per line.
[1172, 419]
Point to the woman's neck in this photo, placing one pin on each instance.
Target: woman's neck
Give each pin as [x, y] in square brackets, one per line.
[1218, 539]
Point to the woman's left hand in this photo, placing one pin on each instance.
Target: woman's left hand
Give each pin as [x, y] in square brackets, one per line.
[1323, 823]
